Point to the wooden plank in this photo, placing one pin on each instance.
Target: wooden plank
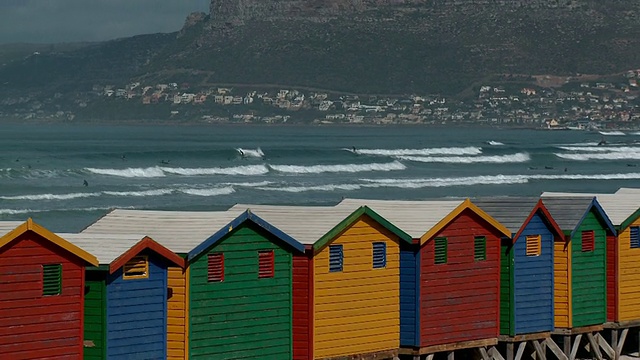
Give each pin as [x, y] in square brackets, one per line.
[524, 337]
[622, 324]
[429, 357]
[495, 354]
[539, 352]
[520, 351]
[595, 348]
[555, 349]
[620, 343]
[578, 330]
[451, 355]
[458, 346]
[483, 353]
[510, 353]
[576, 346]
[605, 346]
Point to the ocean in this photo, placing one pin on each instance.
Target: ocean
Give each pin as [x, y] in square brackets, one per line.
[67, 176]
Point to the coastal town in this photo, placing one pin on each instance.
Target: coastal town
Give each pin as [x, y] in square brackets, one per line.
[574, 105]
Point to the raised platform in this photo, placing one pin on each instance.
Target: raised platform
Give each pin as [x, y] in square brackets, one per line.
[449, 347]
[622, 324]
[524, 337]
[578, 330]
[378, 355]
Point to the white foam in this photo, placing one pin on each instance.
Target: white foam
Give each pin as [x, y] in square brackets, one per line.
[470, 150]
[604, 149]
[250, 184]
[498, 159]
[150, 172]
[495, 143]
[15, 211]
[209, 192]
[236, 170]
[51, 196]
[612, 133]
[601, 156]
[299, 189]
[348, 168]
[157, 192]
[256, 153]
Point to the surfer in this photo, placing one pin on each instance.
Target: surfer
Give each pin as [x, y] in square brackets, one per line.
[548, 167]
[124, 157]
[602, 142]
[165, 162]
[241, 152]
[85, 182]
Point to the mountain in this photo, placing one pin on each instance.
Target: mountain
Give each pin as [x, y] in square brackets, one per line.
[363, 46]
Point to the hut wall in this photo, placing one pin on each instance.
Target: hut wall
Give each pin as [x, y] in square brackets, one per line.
[302, 305]
[95, 314]
[589, 275]
[533, 281]
[409, 299]
[459, 300]
[628, 277]
[561, 283]
[137, 314]
[612, 278]
[357, 310]
[507, 326]
[33, 326]
[243, 316]
[176, 313]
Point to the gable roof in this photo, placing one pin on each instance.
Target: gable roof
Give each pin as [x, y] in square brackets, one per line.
[515, 212]
[116, 250]
[179, 231]
[628, 191]
[569, 211]
[315, 226]
[30, 225]
[621, 208]
[424, 219]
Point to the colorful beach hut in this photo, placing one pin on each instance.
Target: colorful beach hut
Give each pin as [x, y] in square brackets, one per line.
[126, 299]
[238, 282]
[42, 294]
[580, 263]
[347, 288]
[452, 302]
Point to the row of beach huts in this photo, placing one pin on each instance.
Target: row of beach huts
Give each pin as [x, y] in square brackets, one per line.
[494, 278]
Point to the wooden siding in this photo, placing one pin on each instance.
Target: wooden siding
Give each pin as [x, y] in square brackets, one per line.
[628, 278]
[409, 299]
[562, 283]
[588, 269]
[506, 288]
[357, 310]
[33, 326]
[612, 278]
[459, 300]
[176, 313]
[242, 317]
[137, 314]
[533, 281]
[95, 313]
[301, 308]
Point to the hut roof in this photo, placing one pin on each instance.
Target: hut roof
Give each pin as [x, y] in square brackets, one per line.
[422, 219]
[569, 211]
[115, 250]
[622, 208]
[30, 225]
[628, 191]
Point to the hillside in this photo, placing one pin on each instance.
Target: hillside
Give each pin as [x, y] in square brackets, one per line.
[364, 46]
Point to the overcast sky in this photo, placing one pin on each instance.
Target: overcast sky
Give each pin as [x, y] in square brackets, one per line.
[52, 21]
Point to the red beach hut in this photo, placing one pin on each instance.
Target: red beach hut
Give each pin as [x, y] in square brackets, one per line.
[42, 279]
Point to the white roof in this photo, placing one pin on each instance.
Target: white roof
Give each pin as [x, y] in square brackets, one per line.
[628, 191]
[618, 206]
[179, 231]
[413, 217]
[306, 224]
[7, 226]
[105, 247]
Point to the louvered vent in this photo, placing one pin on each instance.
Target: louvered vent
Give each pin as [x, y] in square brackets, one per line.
[265, 264]
[215, 267]
[51, 279]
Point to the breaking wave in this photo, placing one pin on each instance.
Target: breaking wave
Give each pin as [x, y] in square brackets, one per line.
[236, 170]
[469, 150]
[150, 172]
[498, 159]
[348, 168]
[51, 196]
[255, 153]
[495, 143]
[158, 192]
[632, 155]
[612, 133]
[208, 192]
[299, 189]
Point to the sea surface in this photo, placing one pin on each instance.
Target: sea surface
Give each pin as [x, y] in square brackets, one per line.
[43, 168]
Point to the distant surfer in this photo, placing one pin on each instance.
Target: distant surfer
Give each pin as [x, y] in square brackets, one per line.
[241, 152]
[124, 157]
[533, 168]
[165, 162]
[602, 142]
[85, 182]
[565, 169]
[631, 165]
[549, 167]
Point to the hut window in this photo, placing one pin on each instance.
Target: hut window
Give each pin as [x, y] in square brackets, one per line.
[588, 241]
[441, 250]
[635, 237]
[379, 255]
[136, 268]
[480, 248]
[215, 267]
[265, 264]
[336, 256]
[51, 279]
[534, 245]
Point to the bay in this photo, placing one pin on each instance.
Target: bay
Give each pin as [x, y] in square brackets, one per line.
[43, 167]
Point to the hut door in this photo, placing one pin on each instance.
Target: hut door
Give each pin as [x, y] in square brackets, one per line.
[94, 315]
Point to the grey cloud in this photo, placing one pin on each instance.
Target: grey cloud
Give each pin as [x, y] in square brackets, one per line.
[53, 21]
